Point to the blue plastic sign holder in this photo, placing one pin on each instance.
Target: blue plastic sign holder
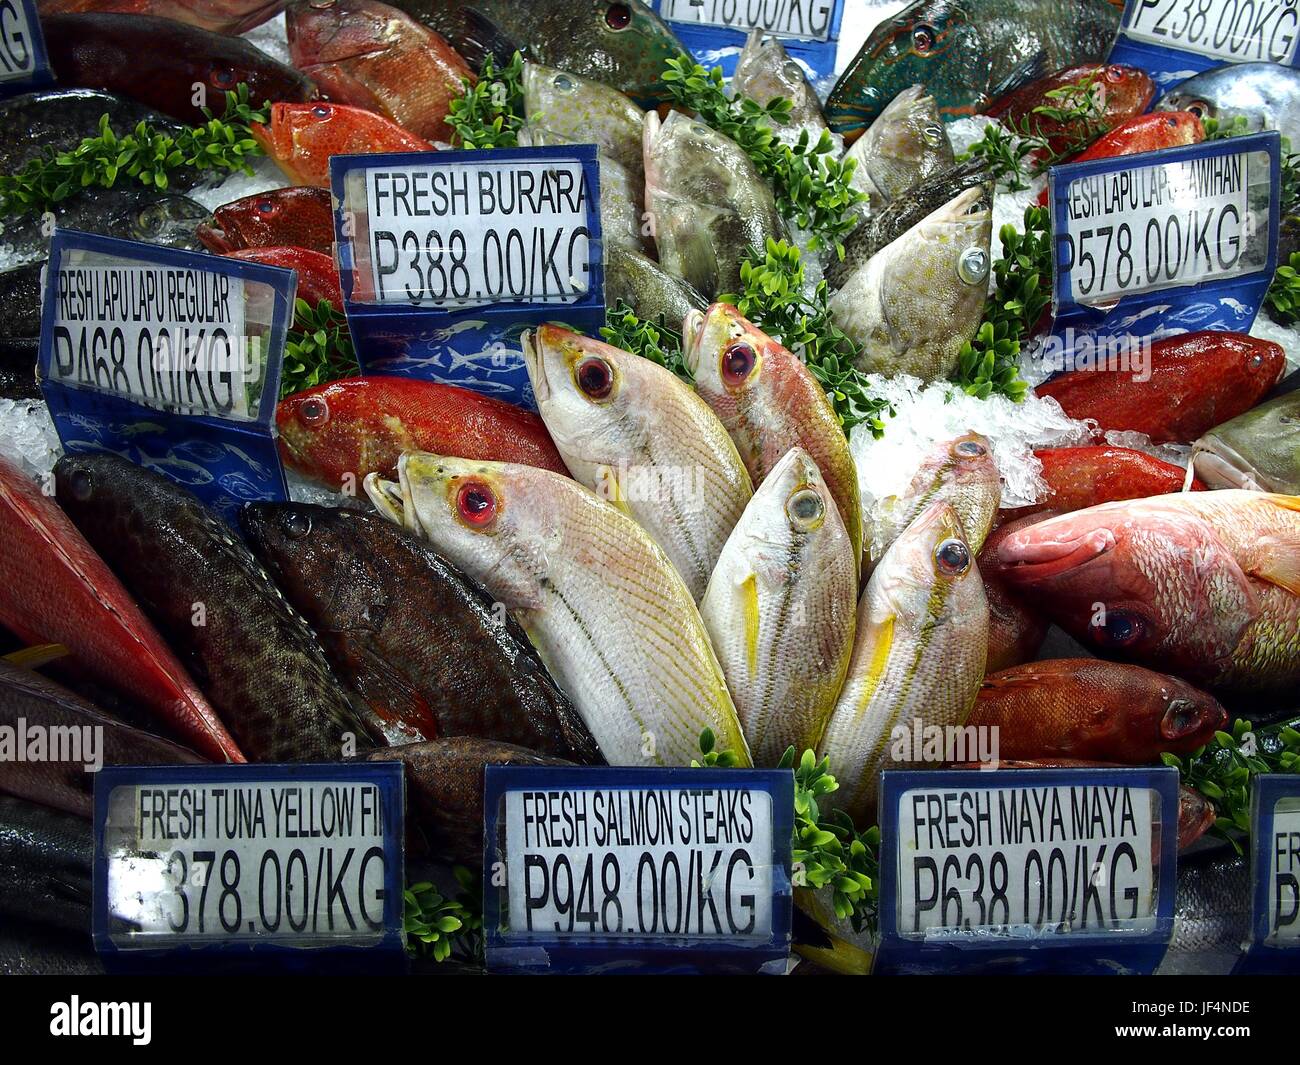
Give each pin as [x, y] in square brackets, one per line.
[295, 866]
[24, 62]
[1274, 946]
[445, 258]
[1173, 41]
[714, 31]
[1178, 240]
[168, 358]
[1026, 870]
[637, 870]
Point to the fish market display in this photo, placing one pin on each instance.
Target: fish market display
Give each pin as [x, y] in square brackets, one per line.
[614, 622]
[967, 55]
[765, 72]
[299, 216]
[255, 658]
[221, 16]
[45, 858]
[371, 55]
[318, 277]
[444, 785]
[639, 437]
[640, 283]
[1196, 380]
[781, 608]
[336, 433]
[920, 298]
[769, 402]
[1258, 450]
[708, 202]
[168, 65]
[1116, 94]
[905, 146]
[59, 721]
[1202, 584]
[1080, 477]
[585, 111]
[300, 138]
[1016, 629]
[1087, 708]
[421, 644]
[918, 656]
[1266, 95]
[55, 589]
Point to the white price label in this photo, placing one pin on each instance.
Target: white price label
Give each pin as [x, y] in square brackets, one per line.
[1156, 227]
[1040, 859]
[473, 232]
[165, 337]
[17, 53]
[286, 860]
[1284, 874]
[1238, 31]
[803, 20]
[640, 862]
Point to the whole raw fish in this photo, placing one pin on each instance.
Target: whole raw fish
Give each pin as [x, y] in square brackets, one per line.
[918, 300]
[918, 655]
[301, 138]
[906, 145]
[1202, 584]
[1080, 477]
[1266, 95]
[59, 776]
[639, 437]
[765, 71]
[55, 589]
[1088, 708]
[45, 867]
[1197, 380]
[338, 432]
[371, 55]
[769, 402]
[299, 216]
[256, 658]
[614, 622]
[642, 285]
[318, 277]
[220, 16]
[1016, 630]
[444, 789]
[708, 204]
[967, 55]
[175, 68]
[1115, 93]
[781, 608]
[961, 472]
[585, 112]
[1258, 450]
[421, 644]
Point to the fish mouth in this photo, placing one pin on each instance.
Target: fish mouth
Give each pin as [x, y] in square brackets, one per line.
[392, 501]
[1041, 559]
[1220, 466]
[649, 134]
[692, 335]
[535, 364]
[214, 238]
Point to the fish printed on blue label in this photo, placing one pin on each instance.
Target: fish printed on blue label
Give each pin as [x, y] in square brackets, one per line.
[446, 258]
[24, 62]
[714, 31]
[637, 870]
[1274, 945]
[1173, 40]
[1053, 870]
[168, 358]
[1160, 243]
[232, 859]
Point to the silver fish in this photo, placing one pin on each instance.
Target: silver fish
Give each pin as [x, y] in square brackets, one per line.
[1267, 95]
[765, 71]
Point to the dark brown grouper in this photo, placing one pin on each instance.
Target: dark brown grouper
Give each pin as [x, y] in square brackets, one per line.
[423, 645]
[254, 657]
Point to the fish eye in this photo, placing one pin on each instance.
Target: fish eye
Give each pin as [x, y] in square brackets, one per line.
[738, 361]
[222, 77]
[151, 218]
[1118, 628]
[1199, 108]
[296, 524]
[618, 16]
[321, 111]
[932, 135]
[595, 378]
[314, 412]
[476, 503]
[805, 509]
[973, 266]
[1179, 719]
[82, 485]
[970, 449]
[1116, 73]
[267, 207]
[923, 38]
[699, 129]
[563, 82]
[952, 557]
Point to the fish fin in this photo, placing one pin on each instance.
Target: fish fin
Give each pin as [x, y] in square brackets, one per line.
[1030, 70]
[611, 488]
[41, 654]
[748, 589]
[1276, 561]
[878, 657]
[478, 37]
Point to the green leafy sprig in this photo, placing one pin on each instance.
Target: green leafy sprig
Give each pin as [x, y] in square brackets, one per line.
[145, 154]
[710, 756]
[812, 187]
[491, 111]
[1283, 296]
[438, 927]
[653, 340]
[318, 348]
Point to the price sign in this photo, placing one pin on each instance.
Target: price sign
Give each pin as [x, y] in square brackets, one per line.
[1275, 875]
[683, 869]
[169, 358]
[24, 64]
[715, 30]
[1022, 861]
[240, 856]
